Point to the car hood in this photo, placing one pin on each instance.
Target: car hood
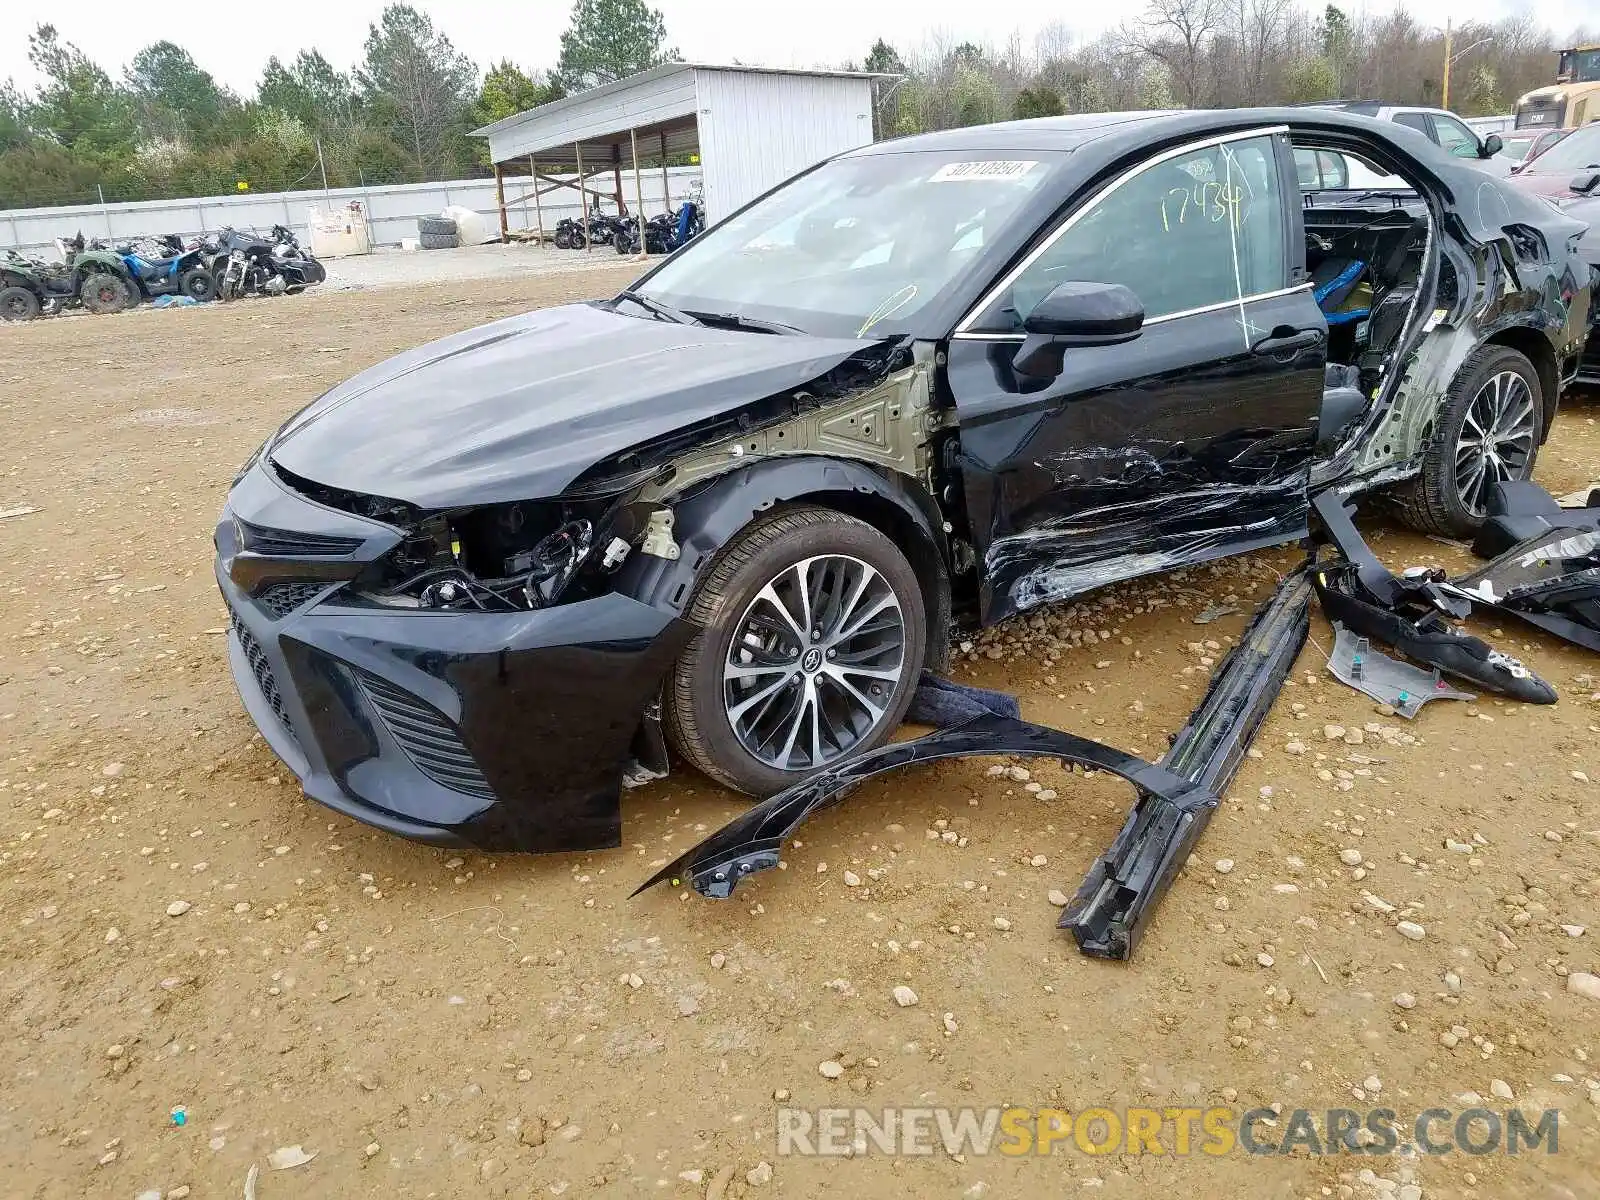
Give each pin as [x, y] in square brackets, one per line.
[517, 409]
[1550, 183]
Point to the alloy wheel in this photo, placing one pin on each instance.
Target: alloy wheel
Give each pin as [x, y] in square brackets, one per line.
[1496, 440]
[814, 662]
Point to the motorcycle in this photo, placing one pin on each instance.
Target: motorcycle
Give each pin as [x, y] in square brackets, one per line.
[570, 234]
[299, 268]
[596, 228]
[664, 232]
[249, 264]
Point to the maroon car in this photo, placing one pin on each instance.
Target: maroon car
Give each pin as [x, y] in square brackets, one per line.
[1567, 168]
[1522, 146]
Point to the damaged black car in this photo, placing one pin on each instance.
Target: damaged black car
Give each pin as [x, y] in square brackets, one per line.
[478, 589]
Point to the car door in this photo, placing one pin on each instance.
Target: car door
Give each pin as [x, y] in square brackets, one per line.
[1189, 442]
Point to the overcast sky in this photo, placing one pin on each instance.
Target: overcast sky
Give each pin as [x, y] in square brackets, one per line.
[814, 33]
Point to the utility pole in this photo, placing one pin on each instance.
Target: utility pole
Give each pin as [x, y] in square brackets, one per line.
[1444, 101]
[323, 167]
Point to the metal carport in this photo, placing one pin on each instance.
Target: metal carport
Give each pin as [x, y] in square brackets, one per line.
[752, 128]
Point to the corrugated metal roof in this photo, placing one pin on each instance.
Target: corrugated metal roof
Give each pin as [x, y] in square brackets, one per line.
[600, 118]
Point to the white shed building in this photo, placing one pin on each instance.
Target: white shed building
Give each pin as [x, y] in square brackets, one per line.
[750, 127]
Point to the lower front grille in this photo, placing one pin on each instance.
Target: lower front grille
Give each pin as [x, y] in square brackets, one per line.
[281, 599]
[428, 738]
[259, 667]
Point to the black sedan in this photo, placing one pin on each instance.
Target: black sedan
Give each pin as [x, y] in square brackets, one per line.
[477, 589]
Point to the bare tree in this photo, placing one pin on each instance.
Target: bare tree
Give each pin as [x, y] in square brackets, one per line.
[1176, 34]
[1262, 28]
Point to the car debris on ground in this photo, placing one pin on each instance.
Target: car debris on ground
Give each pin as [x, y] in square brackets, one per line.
[1177, 798]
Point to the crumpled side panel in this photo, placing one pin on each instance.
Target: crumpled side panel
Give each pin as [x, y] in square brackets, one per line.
[751, 842]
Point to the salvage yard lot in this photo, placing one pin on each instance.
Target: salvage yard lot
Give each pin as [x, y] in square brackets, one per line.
[433, 1023]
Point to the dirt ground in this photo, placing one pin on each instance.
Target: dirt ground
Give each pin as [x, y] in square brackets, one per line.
[436, 1024]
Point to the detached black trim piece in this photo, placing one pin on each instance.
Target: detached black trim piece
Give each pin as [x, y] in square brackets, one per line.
[1117, 898]
[1551, 580]
[1407, 613]
[751, 842]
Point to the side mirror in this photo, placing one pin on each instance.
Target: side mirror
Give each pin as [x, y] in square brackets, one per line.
[1076, 314]
[1585, 184]
[1492, 145]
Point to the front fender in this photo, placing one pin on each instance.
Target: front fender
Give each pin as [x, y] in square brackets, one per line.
[707, 518]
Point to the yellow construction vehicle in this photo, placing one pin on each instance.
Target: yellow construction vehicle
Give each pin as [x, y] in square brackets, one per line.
[1572, 100]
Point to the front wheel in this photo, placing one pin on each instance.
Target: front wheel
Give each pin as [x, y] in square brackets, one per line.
[1488, 433]
[813, 633]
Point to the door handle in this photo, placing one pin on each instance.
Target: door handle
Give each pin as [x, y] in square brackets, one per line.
[1291, 343]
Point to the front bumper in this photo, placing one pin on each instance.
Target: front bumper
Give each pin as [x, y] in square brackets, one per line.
[502, 731]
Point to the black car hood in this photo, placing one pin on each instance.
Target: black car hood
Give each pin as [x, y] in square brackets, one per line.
[517, 409]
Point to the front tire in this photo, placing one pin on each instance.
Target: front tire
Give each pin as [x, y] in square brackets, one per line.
[813, 633]
[1488, 433]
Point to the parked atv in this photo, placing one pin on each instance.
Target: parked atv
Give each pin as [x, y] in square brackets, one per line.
[29, 287]
[180, 271]
[104, 284]
[93, 278]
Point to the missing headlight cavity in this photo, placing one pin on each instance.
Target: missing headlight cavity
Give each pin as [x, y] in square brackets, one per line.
[500, 558]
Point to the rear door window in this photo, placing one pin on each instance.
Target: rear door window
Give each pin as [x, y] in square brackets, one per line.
[1417, 121]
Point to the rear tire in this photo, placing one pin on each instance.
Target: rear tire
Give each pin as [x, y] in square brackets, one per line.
[753, 705]
[18, 304]
[198, 284]
[103, 293]
[1489, 427]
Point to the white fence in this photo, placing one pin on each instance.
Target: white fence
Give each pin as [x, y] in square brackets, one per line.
[1487, 125]
[392, 211]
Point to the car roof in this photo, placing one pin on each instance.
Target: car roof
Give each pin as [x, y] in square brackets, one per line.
[1129, 130]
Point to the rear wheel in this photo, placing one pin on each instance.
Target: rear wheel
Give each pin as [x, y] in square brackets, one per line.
[813, 633]
[18, 304]
[198, 284]
[103, 293]
[1488, 434]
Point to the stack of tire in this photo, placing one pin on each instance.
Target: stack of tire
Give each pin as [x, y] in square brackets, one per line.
[437, 233]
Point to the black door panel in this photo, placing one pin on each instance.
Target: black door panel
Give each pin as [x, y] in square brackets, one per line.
[1191, 442]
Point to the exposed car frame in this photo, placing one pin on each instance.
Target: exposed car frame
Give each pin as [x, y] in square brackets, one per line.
[505, 707]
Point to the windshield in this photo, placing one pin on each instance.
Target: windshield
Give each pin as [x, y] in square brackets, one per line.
[857, 246]
[1580, 149]
[1578, 66]
[1514, 147]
